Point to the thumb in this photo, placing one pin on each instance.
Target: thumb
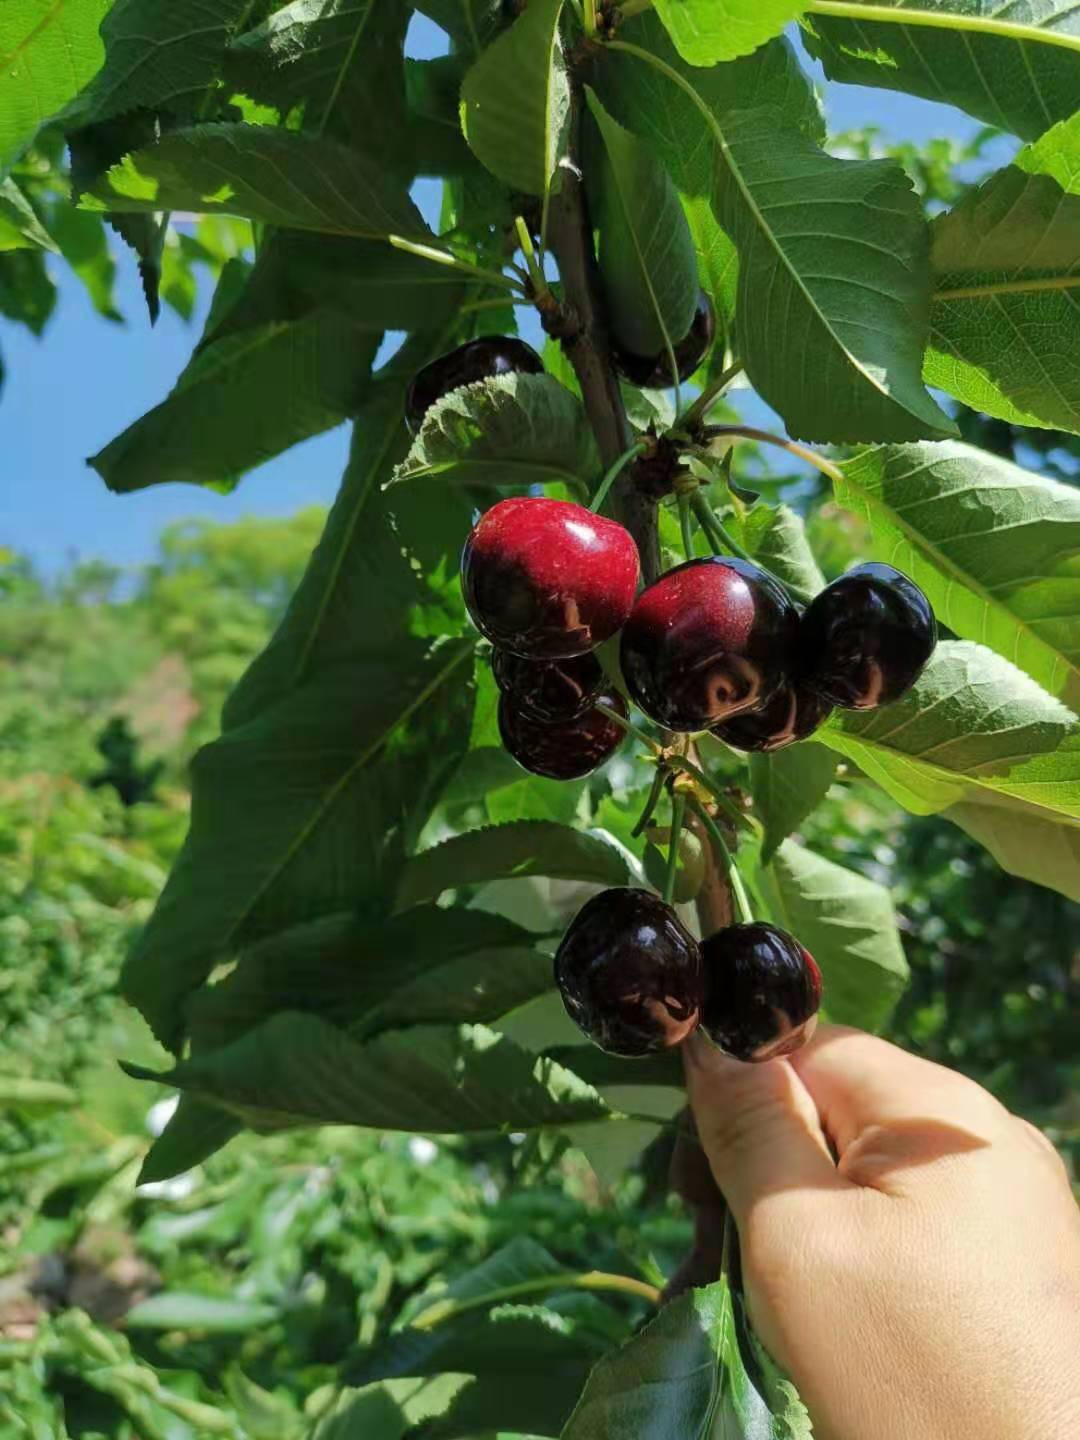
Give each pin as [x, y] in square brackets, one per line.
[758, 1126]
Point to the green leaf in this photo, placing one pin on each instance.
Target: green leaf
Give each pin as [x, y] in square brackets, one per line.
[515, 102]
[646, 101]
[158, 57]
[513, 430]
[514, 851]
[690, 1372]
[426, 966]
[848, 924]
[20, 229]
[27, 295]
[776, 537]
[1015, 67]
[244, 398]
[18, 1092]
[296, 1069]
[389, 1409]
[336, 745]
[194, 1132]
[1024, 843]
[281, 177]
[211, 1314]
[995, 548]
[1005, 321]
[48, 51]
[705, 31]
[339, 60]
[82, 242]
[833, 255]
[787, 787]
[645, 252]
[973, 726]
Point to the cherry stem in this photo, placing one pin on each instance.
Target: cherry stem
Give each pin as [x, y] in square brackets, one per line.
[733, 813]
[612, 474]
[699, 408]
[684, 524]
[443, 1310]
[628, 726]
[738, 890]
[678, 814]
[718, 532]
[653, 799]
[766, 437]
[443, 257]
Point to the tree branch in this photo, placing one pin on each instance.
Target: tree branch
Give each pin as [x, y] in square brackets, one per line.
[581, 326]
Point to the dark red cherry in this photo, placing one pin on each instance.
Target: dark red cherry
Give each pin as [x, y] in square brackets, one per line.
[762, 992]
[549, 689]
[653, 372]
[793, 713]
[475, 360]
[866, 638]
[629, 973]
[565, 749]
[547, 578]
[708, 639]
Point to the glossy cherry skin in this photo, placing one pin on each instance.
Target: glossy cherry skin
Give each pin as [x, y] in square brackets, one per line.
[866, 638]
[629, 973]
[475, 360]
[793, 713]
[707, 640]
[762, 992]
[549, 690]
[653, 372]
[546, 578]
[564, 749]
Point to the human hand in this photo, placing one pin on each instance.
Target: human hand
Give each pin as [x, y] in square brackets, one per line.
[925, 1285]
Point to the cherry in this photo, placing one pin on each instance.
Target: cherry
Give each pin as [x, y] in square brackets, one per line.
[793, 713]
[475, 360]
[549, 689]
[762, 992]
[708, 639]
[866, 638]
[546, 578]
[564, 749]
[629, 973]
[653, 372]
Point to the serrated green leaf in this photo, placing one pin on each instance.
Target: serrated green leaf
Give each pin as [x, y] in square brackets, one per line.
[848, 924]
[81, 240]
[650, 105]
[833, 255]
[705, 31]
[48, 50]
[340, 60]
[1023, 842]
[20, 229]
[995, 547]
[688, 1372]
[194, 1132]
[1005, 320]
[281, 177]
[517, 850]
[244, 398]
[973, 723]
[776, 537]
[515, 102]
[513, 430]
[1013, 66]
[425, 966]
[296, 1069]
[787, 787]
[157, 57]
[645, 252]
[388, 1409]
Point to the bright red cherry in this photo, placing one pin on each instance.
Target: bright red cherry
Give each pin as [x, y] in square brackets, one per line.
[547, 578]
[707, 640]
[475, 360]
[549, 689]
[793, 713]
[629, 973]
[762, 992]
[653, 372]
[565, 749]
[866, 638]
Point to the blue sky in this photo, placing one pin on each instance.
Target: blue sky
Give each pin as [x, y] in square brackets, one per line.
[69, 393]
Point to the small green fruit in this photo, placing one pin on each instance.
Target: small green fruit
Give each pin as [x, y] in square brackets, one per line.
[690, 870]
